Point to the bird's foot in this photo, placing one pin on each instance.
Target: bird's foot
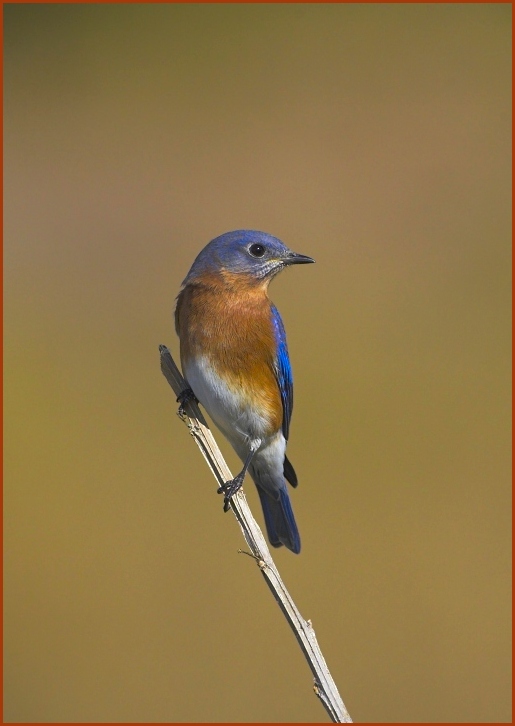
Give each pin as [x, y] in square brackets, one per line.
[182, 400]
[229, 489]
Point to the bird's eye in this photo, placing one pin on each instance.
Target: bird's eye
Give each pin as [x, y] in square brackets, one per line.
[257, 250]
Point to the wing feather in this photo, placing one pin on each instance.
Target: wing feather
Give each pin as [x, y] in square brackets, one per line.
[282, 370]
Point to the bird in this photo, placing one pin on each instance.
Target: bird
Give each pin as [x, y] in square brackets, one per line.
[235, 360]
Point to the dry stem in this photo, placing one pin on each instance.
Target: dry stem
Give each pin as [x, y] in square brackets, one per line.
[324, 686]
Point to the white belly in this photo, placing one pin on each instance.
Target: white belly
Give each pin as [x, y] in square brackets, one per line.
[228, 408]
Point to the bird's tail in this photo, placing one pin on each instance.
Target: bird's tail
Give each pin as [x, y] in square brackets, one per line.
[279, 519]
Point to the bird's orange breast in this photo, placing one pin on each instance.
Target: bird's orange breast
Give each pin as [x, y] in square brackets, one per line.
[227, 319]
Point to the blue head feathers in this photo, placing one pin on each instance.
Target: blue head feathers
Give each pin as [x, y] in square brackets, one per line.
[247, 252]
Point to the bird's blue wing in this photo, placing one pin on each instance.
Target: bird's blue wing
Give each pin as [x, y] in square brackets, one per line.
[282, 370]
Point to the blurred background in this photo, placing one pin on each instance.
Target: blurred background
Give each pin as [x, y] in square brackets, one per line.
[375, 138]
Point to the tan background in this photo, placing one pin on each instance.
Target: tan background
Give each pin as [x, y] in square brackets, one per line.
[375, 138]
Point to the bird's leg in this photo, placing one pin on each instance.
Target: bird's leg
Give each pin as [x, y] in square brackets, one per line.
[230, 488]
[183, 398]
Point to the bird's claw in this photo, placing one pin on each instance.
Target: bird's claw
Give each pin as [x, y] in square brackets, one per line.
[183, 398]
[229, 489]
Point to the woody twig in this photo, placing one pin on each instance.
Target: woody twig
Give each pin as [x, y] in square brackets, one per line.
[324, 686]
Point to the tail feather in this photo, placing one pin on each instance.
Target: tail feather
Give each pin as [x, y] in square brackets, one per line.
[279, 520]
[289, 472]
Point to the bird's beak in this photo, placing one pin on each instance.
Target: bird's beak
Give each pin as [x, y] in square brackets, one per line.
[295, 259]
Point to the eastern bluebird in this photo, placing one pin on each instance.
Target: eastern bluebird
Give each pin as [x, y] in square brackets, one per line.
[235, 359]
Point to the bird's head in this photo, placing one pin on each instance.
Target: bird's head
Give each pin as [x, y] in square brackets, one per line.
[252, 254]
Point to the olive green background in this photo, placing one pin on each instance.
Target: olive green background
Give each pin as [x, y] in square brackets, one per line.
[375, 138]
